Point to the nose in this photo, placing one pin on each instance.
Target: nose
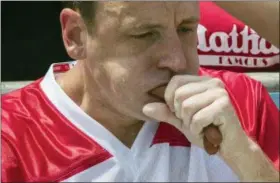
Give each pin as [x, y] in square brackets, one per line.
[172, 56]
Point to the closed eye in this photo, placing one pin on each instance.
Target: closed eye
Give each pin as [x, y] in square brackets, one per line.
[184, 30]
[144, 35]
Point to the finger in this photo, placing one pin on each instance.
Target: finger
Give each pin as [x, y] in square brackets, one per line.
[189, 86]
[161, 113]
[207, 116]
[187, 108]
[213, 134]
[209, 147]
[176, 82]
[184, 92]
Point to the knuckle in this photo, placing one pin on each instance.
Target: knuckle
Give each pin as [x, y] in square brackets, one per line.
[225, 100]
[221, 91]
[173, 85]
[179, 95]
[187, 105]
[205, 77]
[167, 97]
[195, 126]
[176, 78]
[196, 119]
[217, 82]
[184, 92]
[225, 103]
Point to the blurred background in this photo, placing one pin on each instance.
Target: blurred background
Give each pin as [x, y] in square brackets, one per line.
[31, 39]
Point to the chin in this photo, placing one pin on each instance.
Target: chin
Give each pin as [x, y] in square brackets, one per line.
[135, 111]
[137, 114]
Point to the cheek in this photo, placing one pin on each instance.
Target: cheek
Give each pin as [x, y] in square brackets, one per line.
[115, 71]
[117, 78]
[191, 55]
[123, 78]
[127, 83]
[193, 64]
[127, 70]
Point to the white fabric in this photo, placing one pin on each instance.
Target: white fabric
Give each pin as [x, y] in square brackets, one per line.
[141, 163]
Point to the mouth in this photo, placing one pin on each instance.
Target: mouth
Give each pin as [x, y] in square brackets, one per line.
[158, 92]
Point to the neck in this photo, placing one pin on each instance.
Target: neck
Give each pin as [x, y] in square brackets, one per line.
[72, 82]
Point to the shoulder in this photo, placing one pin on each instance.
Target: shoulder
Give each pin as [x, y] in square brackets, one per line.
[15, 121]
[16, 108]
[34, 134]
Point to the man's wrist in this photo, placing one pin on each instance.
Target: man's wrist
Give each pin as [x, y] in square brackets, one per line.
[248, 161]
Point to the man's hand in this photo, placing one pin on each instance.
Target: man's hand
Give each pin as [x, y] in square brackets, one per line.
[192, 104]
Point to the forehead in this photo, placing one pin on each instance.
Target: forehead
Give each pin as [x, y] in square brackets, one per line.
[160, 11]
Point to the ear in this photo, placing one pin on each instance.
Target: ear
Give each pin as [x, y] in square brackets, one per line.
[74, 33]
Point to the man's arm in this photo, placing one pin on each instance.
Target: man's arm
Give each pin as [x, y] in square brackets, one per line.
[250, 163]
[258, 159]
[262, 16]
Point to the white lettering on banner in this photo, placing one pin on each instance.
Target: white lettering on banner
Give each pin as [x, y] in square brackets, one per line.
[216, 60]
[224, 42]
[258, 44]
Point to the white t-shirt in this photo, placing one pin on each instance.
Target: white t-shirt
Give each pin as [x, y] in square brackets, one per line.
[46, 137]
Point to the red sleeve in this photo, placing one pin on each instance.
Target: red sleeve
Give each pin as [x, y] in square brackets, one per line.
[258, 114]
[268, 133]
[11, 171]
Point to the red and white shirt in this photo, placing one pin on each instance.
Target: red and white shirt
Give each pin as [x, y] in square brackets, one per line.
[225, 42]
[46, 137]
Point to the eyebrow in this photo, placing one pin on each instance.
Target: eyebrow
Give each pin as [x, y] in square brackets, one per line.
[190, 20]
[150, 26]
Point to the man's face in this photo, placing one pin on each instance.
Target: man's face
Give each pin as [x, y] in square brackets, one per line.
[137, 47]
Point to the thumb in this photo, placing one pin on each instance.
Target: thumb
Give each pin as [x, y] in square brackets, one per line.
[161, 113]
